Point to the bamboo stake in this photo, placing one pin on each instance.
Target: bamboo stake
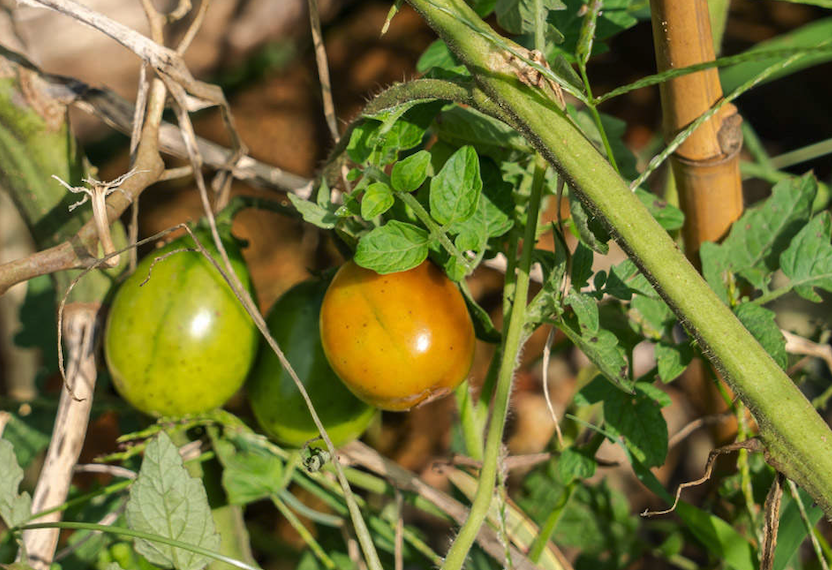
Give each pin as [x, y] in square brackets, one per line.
[706, 165]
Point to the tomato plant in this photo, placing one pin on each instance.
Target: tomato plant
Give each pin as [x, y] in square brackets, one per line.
[180, 343]
[274, 397]
[399, 339]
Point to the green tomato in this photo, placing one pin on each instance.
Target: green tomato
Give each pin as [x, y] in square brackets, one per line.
[274, 397]
[181, 343]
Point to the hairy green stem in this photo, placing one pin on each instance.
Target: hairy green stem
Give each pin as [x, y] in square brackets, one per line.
[798, 441]
[514, 338]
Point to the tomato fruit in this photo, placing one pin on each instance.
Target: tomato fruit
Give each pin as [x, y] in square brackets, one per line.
[399, 339]
[274, 397]
[181, 343]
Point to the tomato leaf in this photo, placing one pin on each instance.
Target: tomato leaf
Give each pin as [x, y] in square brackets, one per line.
[652, 316]
[362, 141]
[636, 417]
[437, 55]
[377, 199]
[586, 310]
[455, 191]
[15, 507]
[808, 260]
[602, 348]
[590, 230]
[760, 323]
[582, 260]
[249, 473]
[716, 268]
[395, 246]
[625, 280]
[313, 213]
[409, 173]
[669, 217]
[484, 327]
[518, 16]
[762, 233]
[460, 126]
[166, 501]
[576, 464]
[672, 359]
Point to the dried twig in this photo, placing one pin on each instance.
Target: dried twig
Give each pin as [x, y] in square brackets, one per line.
[753, 445]
[772, 521]
[547, 351]
[68, 434]
[323, 69]
[691, 427]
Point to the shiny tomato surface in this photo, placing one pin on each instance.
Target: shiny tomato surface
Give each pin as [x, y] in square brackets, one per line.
[275, 399]
[399, 339]
[181, 343]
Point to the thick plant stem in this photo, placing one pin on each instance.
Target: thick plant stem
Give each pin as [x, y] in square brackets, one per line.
[798, 442]
[514, 339]
[706, 165]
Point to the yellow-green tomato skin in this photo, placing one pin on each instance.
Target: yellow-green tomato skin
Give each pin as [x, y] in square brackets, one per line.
[275, 399]
[181, 343]
[399, 339]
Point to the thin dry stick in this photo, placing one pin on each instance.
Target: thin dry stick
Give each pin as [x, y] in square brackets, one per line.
[809, 527]
[689, 428]
[323, 69]
[135, 137]
[772, 522]
[749, 444]
[67, 436]
[547, 352]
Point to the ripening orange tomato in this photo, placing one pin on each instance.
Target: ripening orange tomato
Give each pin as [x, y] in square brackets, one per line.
[399, 339]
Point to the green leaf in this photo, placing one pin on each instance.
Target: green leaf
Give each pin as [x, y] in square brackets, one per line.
[616, 16]
[581, 266]
[762, 233]
[669, 217]
[395, 246]
[595, 520]
[377, 199]
[495, 199]
[602, 348]
[15, 507]
[637, 417]
[760, 322]
[438, 55]
[484, 328]
[29, 435]
[652, 315]
[625, 280]
[792, 530]
[590, 230]
[463, 125]
[586, 310]
[408, 174]
[808, 260]
[455, 191]
[313, 213]
[576, 464]
[716, 268]
[672, 359]
[250, 473]
[362, 141]
[518, 16]
[810, 35]
[166, 501]
[615, 129]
